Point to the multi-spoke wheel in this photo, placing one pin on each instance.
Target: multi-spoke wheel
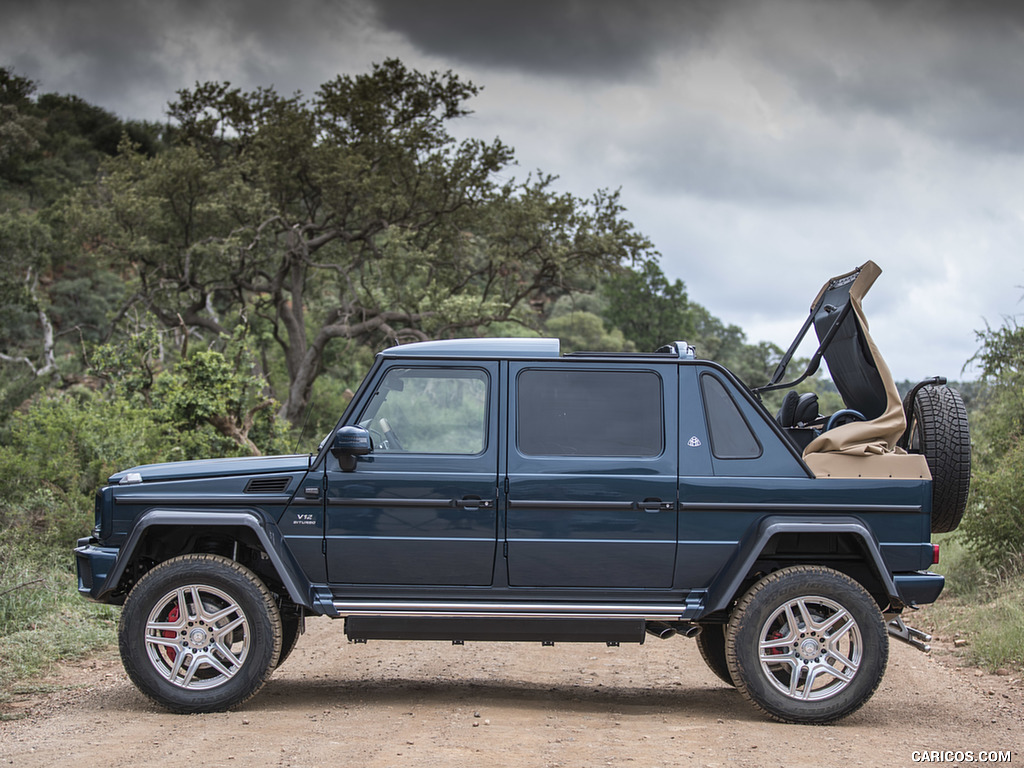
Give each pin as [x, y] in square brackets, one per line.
[807, 645]
[199, 633]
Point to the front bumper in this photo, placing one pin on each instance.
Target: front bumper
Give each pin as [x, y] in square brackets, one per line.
[93, 564]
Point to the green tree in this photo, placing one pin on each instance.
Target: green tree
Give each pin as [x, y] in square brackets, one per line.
[51, 143]
[352, 216]
[579, 331]
[52, 298]
[647, 308]
[209, 402]
[25, 253]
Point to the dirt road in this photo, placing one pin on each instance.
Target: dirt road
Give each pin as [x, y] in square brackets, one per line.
[495, 704]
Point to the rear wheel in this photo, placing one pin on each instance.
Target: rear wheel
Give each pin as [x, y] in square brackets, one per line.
[807, 644]
[199, 633]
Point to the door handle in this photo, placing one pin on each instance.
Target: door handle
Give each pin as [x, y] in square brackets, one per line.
[657, 505]
[473, 502]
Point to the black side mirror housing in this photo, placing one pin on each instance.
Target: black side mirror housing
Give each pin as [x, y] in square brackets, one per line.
[349, 442]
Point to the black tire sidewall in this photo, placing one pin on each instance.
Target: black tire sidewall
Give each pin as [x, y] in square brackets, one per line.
[290, 630]
[757, 606]
[939, 431]
[711, 644]
[244, 588]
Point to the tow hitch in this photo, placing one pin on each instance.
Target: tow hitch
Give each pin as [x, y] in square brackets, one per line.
[909, 635]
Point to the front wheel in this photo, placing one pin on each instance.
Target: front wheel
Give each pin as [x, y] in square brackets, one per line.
[199, 633]
[711, 643]
[807, 644]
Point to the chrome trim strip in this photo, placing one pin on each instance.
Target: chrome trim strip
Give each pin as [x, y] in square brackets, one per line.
[508, 610]
[692, 506]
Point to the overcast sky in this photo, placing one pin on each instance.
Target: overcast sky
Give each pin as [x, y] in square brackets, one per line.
[762, 146]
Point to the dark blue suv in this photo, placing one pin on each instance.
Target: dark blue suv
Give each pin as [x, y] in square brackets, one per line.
[494, 489]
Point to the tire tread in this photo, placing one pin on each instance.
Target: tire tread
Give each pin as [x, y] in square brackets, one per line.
[193, 562]
[813, 576]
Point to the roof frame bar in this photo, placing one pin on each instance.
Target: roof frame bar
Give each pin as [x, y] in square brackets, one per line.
[815, 361]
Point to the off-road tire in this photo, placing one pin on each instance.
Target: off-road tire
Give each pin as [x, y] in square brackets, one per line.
[199, 633]
[937, 428]
[792, 631]
[291, 628]
[711, 644]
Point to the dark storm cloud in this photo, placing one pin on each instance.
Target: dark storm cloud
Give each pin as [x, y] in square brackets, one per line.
[950, 69]
[110, 51]
[579, 38]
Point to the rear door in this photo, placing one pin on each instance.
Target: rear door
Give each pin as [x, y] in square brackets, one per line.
[592, 463]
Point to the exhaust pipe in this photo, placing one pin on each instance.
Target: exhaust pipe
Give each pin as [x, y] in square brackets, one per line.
[664, 631]
[660, 630]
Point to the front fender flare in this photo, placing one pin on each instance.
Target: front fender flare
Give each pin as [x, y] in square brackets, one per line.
[265, 530]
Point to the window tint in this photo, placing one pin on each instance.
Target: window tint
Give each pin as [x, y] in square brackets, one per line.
[589, 413]
[731, 437]
[417, 410]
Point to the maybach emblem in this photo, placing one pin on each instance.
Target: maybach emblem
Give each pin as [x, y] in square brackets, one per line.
[694, 442]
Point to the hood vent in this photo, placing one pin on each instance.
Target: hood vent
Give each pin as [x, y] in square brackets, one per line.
[267, 484]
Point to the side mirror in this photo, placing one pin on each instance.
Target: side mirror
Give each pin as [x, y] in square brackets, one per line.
[349, 442]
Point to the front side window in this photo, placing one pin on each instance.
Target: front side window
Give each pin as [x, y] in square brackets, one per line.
[419, 410]
[590, 413]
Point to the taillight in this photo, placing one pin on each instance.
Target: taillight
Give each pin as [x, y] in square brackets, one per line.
[935, 554]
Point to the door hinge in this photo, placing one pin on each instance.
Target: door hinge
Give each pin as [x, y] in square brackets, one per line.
[504, 550]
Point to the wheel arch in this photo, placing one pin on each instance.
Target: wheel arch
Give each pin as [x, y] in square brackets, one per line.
[733, 579]
[159, 534]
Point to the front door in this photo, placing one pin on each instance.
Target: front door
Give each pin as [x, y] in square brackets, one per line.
[422, 507]
[592, 476]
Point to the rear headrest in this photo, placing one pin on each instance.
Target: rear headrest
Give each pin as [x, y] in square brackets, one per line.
[797, 409]
[787, 413]
[807, 408]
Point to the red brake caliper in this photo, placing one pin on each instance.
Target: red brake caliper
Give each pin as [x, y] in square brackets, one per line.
[170, 633]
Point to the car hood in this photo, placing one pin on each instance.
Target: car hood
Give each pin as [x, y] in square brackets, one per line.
[246, 465]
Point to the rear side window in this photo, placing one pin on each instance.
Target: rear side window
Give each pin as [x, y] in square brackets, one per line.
[731, 436]
[590, 413]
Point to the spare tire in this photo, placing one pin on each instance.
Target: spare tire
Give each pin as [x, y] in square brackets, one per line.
[937, 427]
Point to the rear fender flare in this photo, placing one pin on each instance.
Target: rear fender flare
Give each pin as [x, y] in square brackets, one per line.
[726, 586]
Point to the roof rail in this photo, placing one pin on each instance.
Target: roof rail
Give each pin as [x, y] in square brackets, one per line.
[677, 349]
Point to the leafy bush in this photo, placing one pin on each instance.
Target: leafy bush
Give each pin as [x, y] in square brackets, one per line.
[58, 452]
[62, 446]
[994, 524]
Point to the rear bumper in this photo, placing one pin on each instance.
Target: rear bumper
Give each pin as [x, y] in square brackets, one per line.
[920, 587]
[93, 564]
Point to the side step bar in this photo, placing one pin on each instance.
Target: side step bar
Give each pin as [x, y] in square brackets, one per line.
[461, 629]
[495, 610]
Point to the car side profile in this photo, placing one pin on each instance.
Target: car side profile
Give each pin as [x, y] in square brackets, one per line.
[496, 489]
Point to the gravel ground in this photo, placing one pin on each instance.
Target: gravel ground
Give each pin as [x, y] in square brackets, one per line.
[404, 704]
